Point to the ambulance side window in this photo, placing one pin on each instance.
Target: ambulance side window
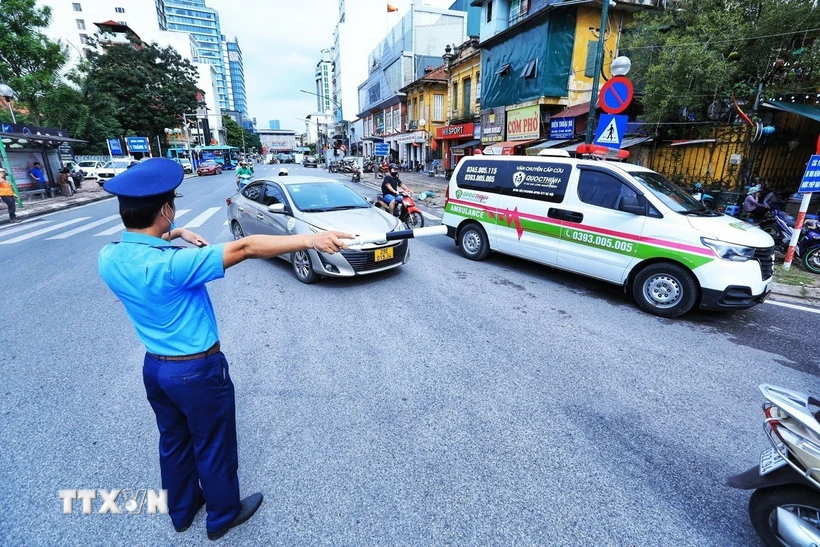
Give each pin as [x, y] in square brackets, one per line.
[603, 190]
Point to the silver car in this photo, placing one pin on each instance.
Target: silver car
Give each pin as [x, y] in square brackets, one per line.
[306, 205]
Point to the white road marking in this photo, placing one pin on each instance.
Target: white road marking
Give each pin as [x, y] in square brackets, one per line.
[431, 217]
[81, 229]
[119, 227]
[227, 222]
[43, 231]
[23, 226]
[793, 306]
[200, 219]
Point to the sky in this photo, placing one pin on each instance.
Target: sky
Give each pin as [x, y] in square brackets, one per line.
[281, 43]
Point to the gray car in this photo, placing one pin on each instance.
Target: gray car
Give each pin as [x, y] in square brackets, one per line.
[306, 205]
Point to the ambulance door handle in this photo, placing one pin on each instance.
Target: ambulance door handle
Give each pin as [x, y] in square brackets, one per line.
[572, 216]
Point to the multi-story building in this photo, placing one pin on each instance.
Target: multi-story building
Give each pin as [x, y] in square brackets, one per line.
[324, 74]
[202, 22]
[411, 46]
[425, 104]
[462, 134]
[273, 124]
[538, 63]
[235, 77]
[277, 140]
[72, 22]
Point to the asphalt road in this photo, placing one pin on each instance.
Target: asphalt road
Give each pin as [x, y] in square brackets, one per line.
[446, 402]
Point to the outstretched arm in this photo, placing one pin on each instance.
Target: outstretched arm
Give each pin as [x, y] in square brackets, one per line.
[263, 246]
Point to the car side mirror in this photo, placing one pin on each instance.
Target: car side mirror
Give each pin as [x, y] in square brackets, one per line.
[277, 208]
[634, 205]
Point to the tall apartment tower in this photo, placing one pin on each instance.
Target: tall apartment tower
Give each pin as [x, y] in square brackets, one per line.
[324, 88]
[235, 76]
[195, 18]
[353, 39]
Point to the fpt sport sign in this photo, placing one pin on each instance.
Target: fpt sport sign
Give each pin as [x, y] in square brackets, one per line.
[524, 123]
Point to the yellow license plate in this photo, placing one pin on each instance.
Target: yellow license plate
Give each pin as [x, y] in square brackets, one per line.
[384, 254]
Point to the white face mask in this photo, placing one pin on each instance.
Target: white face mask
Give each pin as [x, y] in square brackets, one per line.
[171, 222]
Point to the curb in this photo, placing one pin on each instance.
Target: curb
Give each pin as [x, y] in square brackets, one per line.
[62, 205]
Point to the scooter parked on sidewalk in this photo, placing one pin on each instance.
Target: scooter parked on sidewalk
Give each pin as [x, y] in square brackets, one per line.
[405, 209]
[785, 505]
[780, 226]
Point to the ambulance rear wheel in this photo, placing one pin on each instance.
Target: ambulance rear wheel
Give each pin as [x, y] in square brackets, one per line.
[665, 289]
[473, 242]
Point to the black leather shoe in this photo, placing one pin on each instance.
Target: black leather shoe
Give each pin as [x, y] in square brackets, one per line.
[181, 529]
[249, 507]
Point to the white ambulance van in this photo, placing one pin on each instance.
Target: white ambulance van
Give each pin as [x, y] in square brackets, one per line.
[618, 222]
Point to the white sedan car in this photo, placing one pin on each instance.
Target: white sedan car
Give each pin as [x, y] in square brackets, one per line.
[91, 168]
[111, 169]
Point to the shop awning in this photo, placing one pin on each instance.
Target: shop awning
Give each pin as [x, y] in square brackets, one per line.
[497, 149]
[373, 139]
[470, 144]
[573, 111]
[533, 150]
[807, 110]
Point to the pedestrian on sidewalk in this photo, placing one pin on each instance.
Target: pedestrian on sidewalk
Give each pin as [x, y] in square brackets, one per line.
[8, 196]
[186, 375]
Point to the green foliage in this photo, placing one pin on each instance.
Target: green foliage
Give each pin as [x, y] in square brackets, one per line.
[705, 50]
[29, 62]
[235, 135]
[150, 87]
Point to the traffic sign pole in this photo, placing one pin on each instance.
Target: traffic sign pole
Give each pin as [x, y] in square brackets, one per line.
[599, 62]
[809, 181]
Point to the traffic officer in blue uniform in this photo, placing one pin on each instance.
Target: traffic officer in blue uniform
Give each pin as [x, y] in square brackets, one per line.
[186, 376]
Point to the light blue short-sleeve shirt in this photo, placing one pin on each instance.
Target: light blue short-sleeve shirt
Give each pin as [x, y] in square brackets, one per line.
[163, 290]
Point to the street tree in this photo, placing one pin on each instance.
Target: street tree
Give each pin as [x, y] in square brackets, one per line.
[150, 86]
[235, 134]
[29, 61]
[703, 51]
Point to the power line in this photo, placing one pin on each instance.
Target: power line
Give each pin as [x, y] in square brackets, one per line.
[750, 38]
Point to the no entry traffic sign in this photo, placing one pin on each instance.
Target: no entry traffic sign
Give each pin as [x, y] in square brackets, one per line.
[616, 95]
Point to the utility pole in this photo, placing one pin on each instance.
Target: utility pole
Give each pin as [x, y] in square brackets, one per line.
[599, 66]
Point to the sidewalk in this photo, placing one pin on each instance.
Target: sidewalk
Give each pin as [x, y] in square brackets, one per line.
[32, 207]
[418, 183]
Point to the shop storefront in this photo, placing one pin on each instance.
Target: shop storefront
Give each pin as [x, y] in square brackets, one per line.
[411, 148]
[454, 136]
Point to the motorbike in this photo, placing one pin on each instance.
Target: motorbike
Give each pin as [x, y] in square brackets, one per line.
[703, 197]
[405, 210]
[780, 226]
[242, 180]
[78, 177]
[357, 174]
[785, 505]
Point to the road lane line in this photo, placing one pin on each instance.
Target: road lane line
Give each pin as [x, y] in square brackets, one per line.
[431, 217]
[43, 231]
[793, 306]
[24, 226]
[119, 227]
[81, 229]
[202, 217]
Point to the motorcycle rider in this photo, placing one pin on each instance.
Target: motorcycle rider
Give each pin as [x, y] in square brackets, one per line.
[283, 172]
[392, 186]
[243, 170]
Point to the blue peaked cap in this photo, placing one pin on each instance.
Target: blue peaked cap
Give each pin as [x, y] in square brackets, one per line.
[149, 183]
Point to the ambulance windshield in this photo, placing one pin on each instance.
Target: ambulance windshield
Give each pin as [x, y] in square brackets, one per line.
[671, 195]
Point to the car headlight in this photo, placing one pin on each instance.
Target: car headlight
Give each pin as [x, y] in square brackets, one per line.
[729, 251]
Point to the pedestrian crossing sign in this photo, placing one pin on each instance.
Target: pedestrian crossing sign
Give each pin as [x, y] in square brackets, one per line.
[611, 130]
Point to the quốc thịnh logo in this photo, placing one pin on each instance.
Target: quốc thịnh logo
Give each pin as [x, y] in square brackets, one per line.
[133, 501]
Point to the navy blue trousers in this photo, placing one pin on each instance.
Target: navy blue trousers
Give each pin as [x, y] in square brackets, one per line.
[196, 415]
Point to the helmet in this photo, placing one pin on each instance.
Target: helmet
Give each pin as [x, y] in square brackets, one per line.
[283, 172]
[753, 190]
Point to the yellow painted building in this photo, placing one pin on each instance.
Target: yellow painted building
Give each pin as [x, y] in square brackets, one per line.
[459, 137]
[426, 100]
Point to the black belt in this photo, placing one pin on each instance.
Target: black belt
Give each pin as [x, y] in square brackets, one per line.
[213, 350]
